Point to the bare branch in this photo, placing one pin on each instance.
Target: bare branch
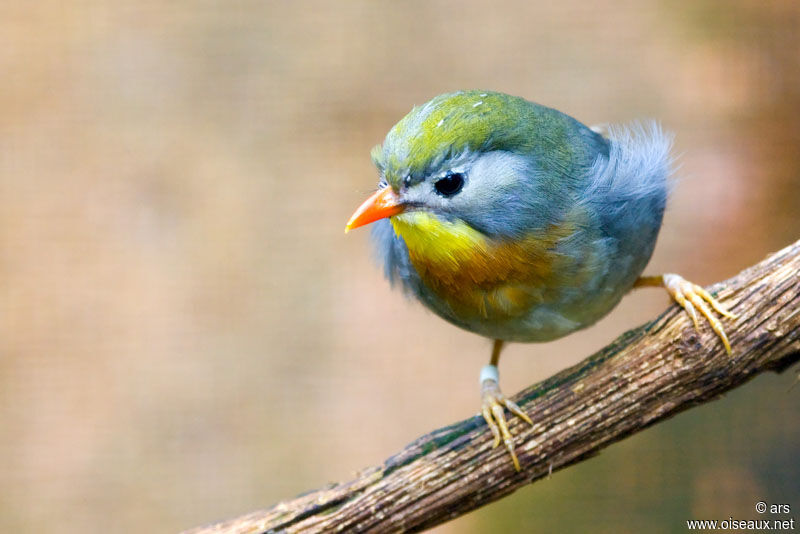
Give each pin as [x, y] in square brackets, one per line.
[647, 375]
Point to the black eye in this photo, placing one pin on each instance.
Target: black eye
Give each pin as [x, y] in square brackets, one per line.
[450, 184]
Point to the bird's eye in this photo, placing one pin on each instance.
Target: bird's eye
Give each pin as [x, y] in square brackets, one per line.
[450, 184]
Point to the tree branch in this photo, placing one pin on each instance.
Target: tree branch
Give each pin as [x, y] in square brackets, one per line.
[647, 375]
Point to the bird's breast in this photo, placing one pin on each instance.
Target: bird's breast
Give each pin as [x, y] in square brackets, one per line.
[480, 278]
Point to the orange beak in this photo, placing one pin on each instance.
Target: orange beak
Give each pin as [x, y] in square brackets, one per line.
[384, 203]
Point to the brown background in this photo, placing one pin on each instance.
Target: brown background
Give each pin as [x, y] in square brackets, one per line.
[187, 334]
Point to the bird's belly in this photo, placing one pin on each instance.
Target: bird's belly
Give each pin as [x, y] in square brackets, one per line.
[513, 295]
[537, 288]
[550, 320]
[520, 314]
[525, 312]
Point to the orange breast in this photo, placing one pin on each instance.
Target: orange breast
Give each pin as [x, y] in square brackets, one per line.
[489, 279]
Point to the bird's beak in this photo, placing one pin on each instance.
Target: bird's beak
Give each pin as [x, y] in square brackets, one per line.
[384, 203]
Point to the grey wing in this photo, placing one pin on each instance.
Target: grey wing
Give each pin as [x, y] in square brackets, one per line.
[627, 192]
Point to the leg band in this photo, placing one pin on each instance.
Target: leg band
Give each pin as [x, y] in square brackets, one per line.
[489, 372]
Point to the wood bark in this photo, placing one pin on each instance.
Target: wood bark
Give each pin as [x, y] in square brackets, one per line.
[645, 376]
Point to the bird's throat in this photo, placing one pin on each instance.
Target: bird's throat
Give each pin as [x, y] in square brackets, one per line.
[445, 244]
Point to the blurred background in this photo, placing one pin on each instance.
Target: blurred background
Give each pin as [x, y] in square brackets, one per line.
[186, 334]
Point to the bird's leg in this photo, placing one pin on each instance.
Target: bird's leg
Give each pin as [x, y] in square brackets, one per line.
[691, 297]
[493, 402]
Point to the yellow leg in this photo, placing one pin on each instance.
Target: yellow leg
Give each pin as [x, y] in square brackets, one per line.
[493, 403]
[691, 297]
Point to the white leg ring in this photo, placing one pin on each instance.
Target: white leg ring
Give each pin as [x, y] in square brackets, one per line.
[489, 372]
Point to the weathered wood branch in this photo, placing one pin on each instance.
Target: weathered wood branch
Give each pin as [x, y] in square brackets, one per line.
[647, 375]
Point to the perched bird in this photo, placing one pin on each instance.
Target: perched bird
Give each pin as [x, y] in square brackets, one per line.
[517, 222]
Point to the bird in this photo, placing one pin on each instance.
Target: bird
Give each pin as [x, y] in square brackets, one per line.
[519, 223]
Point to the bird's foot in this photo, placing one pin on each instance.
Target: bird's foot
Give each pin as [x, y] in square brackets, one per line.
[492, 408]
[691, 298]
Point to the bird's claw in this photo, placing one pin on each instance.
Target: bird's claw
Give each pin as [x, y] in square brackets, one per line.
[492, 409]
[691, 298]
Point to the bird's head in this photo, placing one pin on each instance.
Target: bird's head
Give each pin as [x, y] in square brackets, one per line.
[489, 162]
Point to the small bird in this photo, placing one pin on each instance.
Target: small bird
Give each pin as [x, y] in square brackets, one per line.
[517, 222]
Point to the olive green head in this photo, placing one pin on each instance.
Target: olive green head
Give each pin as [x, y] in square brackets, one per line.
[476, 121]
